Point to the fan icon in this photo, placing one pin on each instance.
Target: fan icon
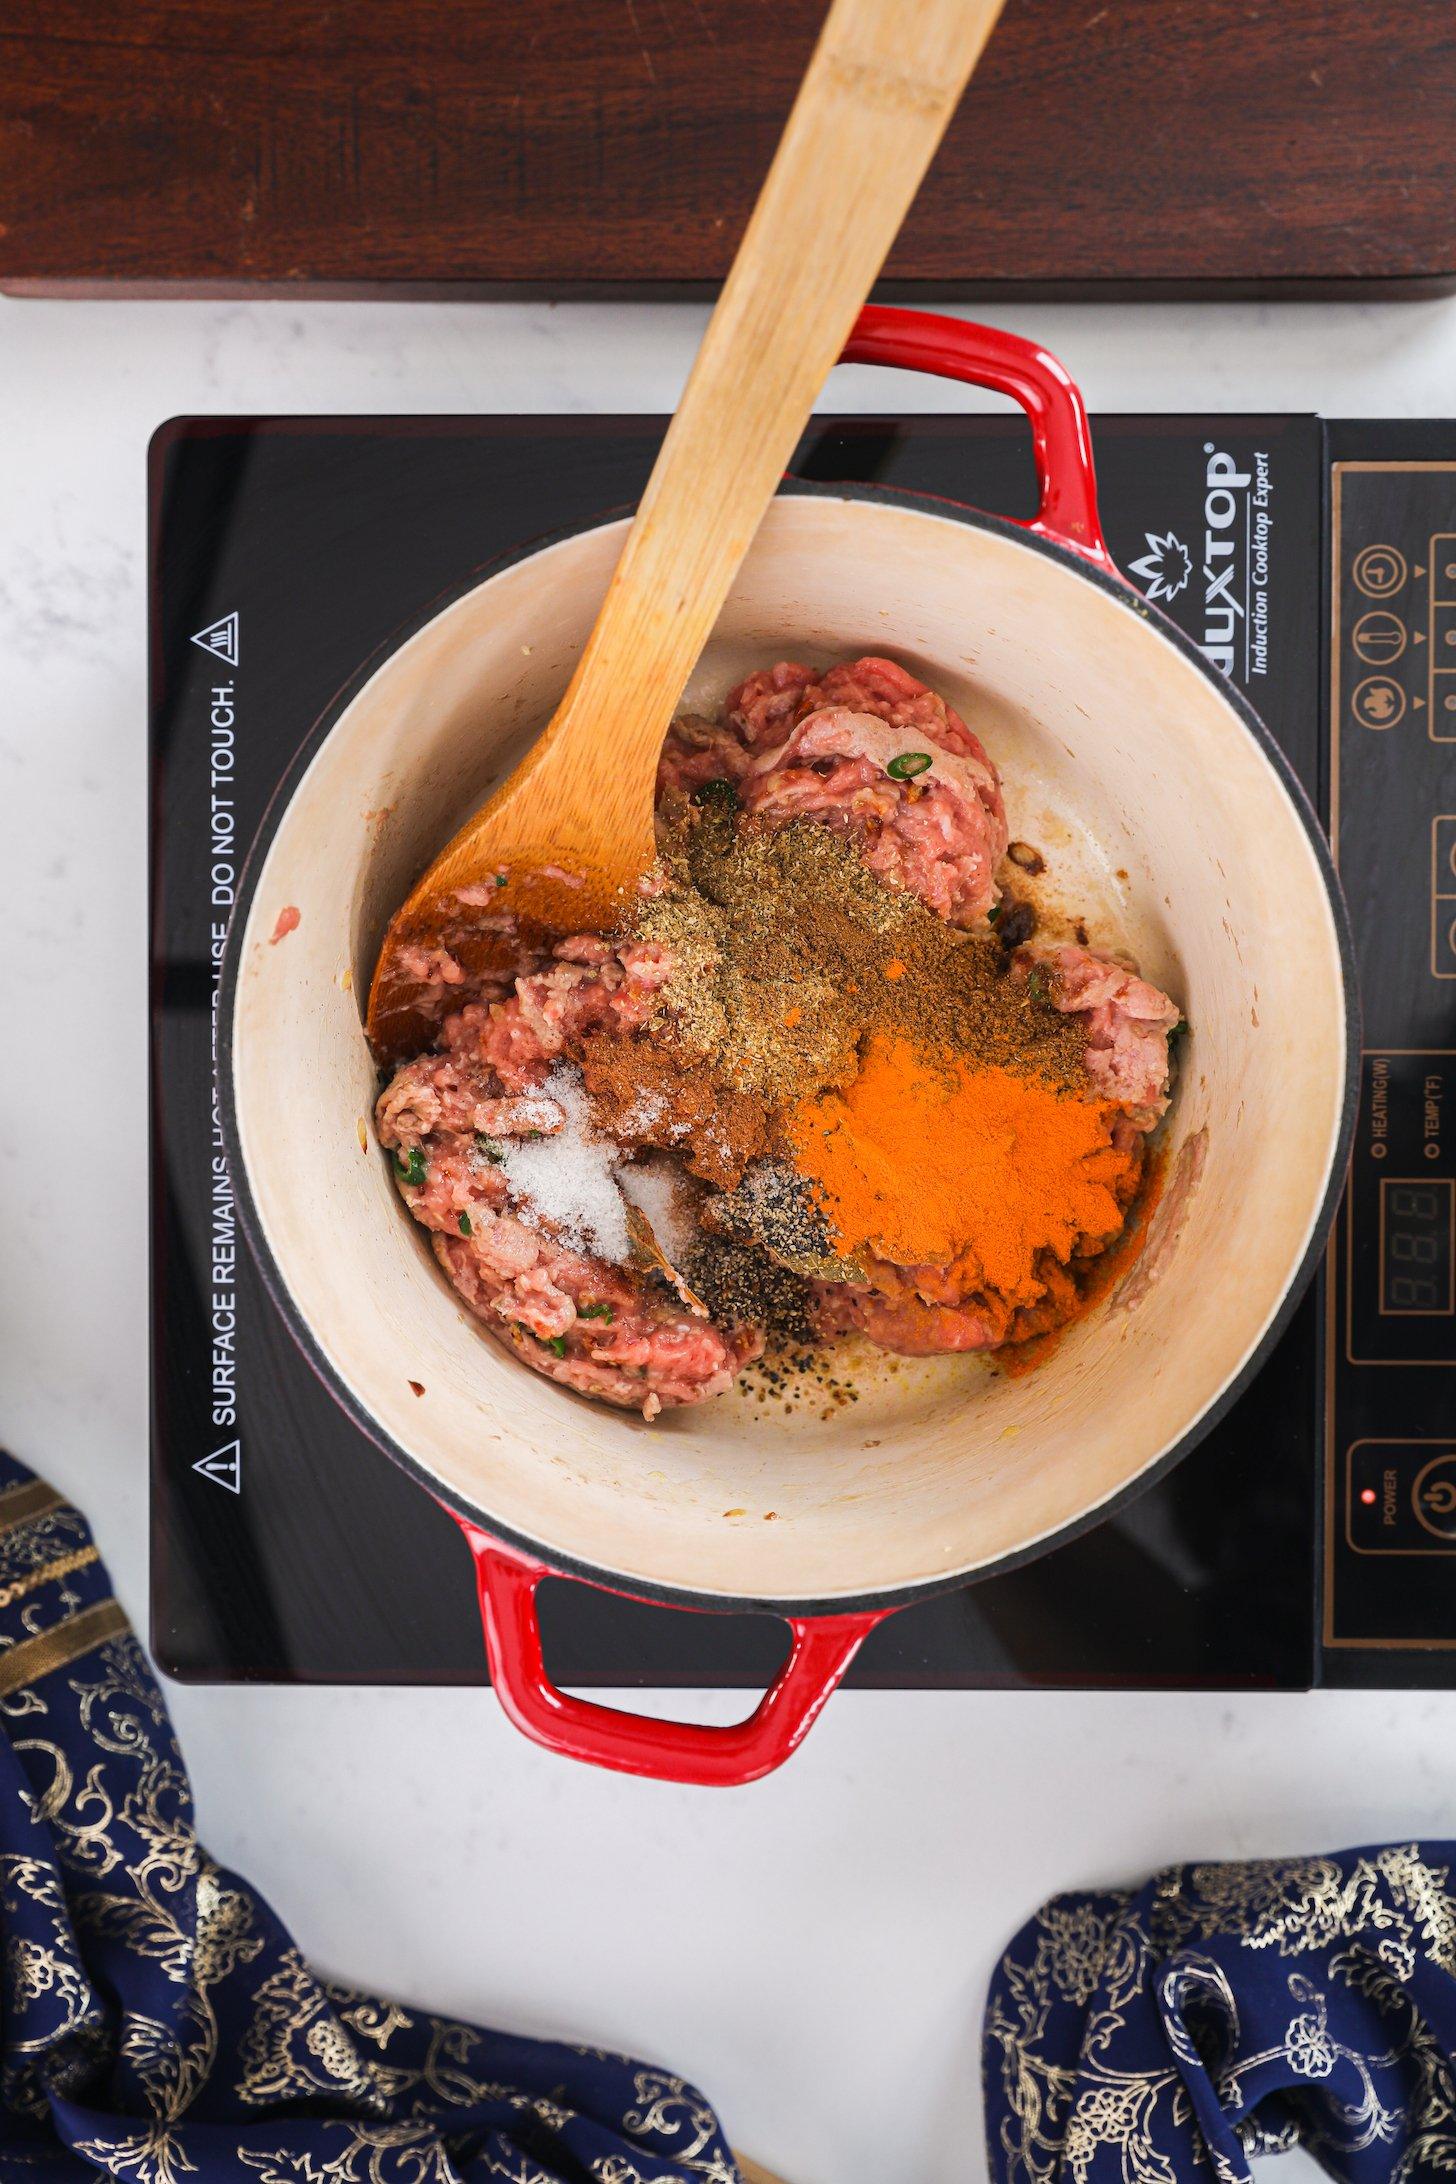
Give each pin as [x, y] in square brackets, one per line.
[1166, 566]
[1378, 702]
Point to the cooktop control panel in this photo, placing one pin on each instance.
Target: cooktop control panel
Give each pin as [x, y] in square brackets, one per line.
[1390, 1414]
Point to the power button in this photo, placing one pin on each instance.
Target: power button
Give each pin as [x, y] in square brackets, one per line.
[1433, 1497]
[1401, 1497]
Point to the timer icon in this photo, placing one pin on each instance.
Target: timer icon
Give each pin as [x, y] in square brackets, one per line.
[1379, 571]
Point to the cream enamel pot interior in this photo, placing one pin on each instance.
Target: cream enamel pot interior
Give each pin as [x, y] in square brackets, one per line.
[1166, 816]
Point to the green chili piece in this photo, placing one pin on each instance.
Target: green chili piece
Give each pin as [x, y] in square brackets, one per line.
[909, 764]
[412, 1169]
[465, 1224]
[994, 912]
[557, 1345]
[595, 1311]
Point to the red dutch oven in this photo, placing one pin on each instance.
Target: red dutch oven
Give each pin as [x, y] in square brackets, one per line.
[1168, 818]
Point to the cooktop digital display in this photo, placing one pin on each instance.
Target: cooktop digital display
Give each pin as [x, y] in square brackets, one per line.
[1303, 1540]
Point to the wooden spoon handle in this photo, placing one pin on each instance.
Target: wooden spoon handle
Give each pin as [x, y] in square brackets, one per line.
[884, 80]
[751, 2173]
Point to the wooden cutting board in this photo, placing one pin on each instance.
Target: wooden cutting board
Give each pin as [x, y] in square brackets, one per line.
[577, 147]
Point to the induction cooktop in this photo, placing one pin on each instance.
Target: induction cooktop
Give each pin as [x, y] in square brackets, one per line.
[1311, 1538]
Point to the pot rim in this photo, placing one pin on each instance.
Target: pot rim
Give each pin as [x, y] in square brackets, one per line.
[685, 1597]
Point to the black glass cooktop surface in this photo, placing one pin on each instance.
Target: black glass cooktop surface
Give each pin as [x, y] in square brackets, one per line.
[1307, 1539]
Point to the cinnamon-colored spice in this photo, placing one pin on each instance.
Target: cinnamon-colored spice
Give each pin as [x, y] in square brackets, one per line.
[643, 1093]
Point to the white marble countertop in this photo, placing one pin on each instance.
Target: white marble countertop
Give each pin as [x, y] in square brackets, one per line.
[814, 1951]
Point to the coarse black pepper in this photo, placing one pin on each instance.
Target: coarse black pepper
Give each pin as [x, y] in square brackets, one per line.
[743, 1287]
[776, 1207]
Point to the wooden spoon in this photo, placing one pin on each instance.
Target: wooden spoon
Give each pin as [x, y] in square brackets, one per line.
[751, 2173]
[560, 844]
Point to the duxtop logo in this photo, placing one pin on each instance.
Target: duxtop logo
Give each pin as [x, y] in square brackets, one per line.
[1232, 560]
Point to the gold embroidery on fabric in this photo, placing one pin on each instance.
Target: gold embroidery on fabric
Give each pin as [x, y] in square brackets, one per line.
[1389, 1909]
[126, 1835]
[358, 2159]
[144, 2157]
[37, 1969]
[294, 2047]
[32, 1498]
[179, 1913]
[46, 1651]
[666, 2104]
[40, 1538]
[80, 1558]
[370, 2020]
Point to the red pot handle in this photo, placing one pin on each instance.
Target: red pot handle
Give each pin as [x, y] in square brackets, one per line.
[923, 341]
[667, 1751]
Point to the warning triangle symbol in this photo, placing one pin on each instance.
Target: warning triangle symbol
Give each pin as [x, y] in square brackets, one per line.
[224, 1467]
[220, 638]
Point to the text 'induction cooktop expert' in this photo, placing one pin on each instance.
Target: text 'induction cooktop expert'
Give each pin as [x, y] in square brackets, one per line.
[1311, 1538]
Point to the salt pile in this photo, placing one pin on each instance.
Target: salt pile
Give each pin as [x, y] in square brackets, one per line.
[570, 1178]
[655, 1187]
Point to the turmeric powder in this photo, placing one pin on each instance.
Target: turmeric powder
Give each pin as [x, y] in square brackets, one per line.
[938, 1160]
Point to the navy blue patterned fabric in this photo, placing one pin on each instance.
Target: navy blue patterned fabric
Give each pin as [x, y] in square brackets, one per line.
[160, 2027]
[1228, 2010]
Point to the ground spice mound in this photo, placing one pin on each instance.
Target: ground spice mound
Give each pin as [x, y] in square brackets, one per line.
[928, 1159]
[648, 1094]
[789, 955]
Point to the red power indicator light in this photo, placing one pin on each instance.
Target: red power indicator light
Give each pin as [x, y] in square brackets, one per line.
[1367, 1495]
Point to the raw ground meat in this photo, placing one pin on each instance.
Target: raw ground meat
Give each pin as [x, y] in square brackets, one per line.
[803, 746]
[795, 745]
[767, 705]
[696, 751]
[633, 1345]
[1128, 1022]
[933, 836]
[590, 986]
